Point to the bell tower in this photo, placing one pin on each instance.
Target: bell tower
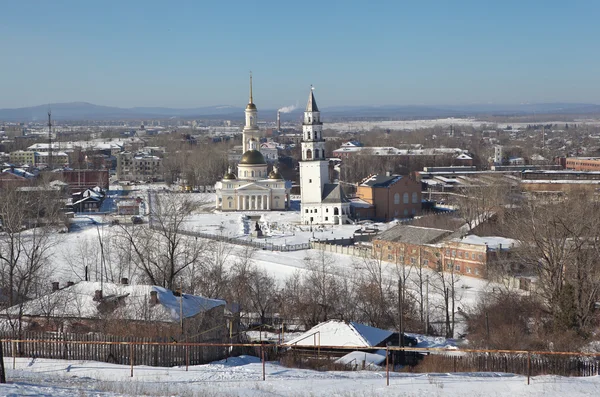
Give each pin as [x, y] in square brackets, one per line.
[251, 127]
[314, 167]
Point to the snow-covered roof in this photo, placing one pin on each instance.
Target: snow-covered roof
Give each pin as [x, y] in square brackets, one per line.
[77, 301]
[341, 333]
[492, 242]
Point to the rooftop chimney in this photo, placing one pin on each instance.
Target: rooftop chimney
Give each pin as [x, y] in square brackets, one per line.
[55, 286]
[153, 297]
[388, 173]
[98, 295]
[124, 281]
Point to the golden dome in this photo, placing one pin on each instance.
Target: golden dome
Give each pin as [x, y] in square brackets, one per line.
[275, 175]
[251, 106]
[230, 175]
[253, 157]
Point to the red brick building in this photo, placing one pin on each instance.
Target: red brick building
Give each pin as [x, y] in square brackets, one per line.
[391, 196]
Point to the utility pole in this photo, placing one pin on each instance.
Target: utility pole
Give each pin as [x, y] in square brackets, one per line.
[50, 140]
[401, 318]
[427, 305]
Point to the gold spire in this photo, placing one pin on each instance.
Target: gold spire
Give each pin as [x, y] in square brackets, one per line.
[251, 105]
[251, 87]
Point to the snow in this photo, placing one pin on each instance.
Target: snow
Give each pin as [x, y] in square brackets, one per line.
[341, 333]
[356, 358]
[493, 242]
[242, 376]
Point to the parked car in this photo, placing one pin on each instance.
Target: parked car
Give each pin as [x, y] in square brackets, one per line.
[137, 220]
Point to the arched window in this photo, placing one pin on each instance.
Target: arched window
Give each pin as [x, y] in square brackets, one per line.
[309, 135]
[253, 173]
[336, 211]
[245, 173]
[405, 198]
[309, 154]
[397, 198]
[415, 198]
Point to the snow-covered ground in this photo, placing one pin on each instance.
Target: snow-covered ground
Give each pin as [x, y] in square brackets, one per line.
[242, 376]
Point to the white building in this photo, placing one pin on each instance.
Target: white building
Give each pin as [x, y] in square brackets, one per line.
[253, 188]
[322, 202]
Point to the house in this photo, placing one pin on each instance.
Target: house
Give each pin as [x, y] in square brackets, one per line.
[334, 333]
[89, 200]
[122, 309]
[392, 196]
[128, 207]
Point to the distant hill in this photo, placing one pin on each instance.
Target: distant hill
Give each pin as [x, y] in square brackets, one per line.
[88, 111]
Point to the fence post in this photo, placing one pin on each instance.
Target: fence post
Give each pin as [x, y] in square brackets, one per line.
[2, 371]
[528, 366]
[14, 353]
[387, 365]
[131, 357]
[187, 357]
[262, 354]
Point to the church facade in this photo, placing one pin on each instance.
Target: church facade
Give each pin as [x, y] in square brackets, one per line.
[322, 202]
[253, 188]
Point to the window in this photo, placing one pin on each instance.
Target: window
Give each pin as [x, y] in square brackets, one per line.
[415, 198]
[476, 271]
[307, 210]
[457, 267]
[252, 173]
[468, 269]
[326, 218]
[230, 204]
[310, 181]
[397, 198]
[480, 257]
[327, 209]
[405, 212]
[390, 256]
[389, 247]
[413, 260]
[460, 254]
[405, 198]
[454, 253]
[449, 266]
[426, 262]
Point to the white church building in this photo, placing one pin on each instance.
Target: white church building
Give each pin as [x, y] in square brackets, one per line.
[322, 202]
[253, 188]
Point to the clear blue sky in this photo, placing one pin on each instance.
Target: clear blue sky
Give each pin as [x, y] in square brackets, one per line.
[198, 53]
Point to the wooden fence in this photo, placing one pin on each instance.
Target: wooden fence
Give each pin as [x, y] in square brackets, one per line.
[157, 352]
[522, 364]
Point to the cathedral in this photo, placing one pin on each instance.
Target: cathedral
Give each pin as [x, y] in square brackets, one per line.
[322, 202]
[253, 188]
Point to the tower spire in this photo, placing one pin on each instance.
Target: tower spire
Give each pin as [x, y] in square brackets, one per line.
[251, 101]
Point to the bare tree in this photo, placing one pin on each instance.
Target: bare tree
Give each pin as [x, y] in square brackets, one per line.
[163, 251]
[31, 218]
[560, 243]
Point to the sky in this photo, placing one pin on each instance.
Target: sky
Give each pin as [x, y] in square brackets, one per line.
[199, 53]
